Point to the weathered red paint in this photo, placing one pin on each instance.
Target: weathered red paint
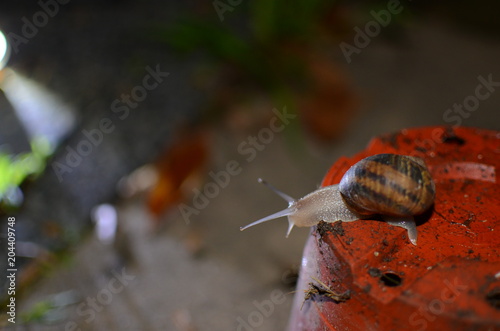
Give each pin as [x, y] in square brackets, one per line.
[449, 281]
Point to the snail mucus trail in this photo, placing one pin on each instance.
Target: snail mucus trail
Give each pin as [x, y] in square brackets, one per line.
[396, 187]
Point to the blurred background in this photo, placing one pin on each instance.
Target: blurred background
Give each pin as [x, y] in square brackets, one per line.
[132, 136]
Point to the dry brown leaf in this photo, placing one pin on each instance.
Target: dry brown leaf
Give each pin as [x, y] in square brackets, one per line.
[329, 104]
[182, 165]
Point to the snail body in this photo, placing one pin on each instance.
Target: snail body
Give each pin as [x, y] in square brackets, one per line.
[397, 187]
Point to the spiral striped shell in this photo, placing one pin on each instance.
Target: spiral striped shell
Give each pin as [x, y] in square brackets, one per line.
[388, 184]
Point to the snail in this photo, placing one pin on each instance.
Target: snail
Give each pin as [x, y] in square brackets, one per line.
[397, 187]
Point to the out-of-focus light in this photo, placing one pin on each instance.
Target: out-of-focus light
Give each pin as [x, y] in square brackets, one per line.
[13, 196]
[106, 222]
[29, 113]
[4, 50]
[40, 111]
[139, 181]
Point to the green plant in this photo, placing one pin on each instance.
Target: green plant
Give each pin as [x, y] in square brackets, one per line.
[14, 169]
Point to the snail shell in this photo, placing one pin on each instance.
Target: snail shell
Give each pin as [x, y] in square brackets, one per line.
[388, 184]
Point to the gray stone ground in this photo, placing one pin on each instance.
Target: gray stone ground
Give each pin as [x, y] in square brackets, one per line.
[208, 275]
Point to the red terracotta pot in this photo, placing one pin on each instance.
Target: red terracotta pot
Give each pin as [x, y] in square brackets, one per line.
[449, 281]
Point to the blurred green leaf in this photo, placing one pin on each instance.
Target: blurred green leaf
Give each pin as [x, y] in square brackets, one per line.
[280, 19]
[190, 35]
[38, 312]
[15, 168]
